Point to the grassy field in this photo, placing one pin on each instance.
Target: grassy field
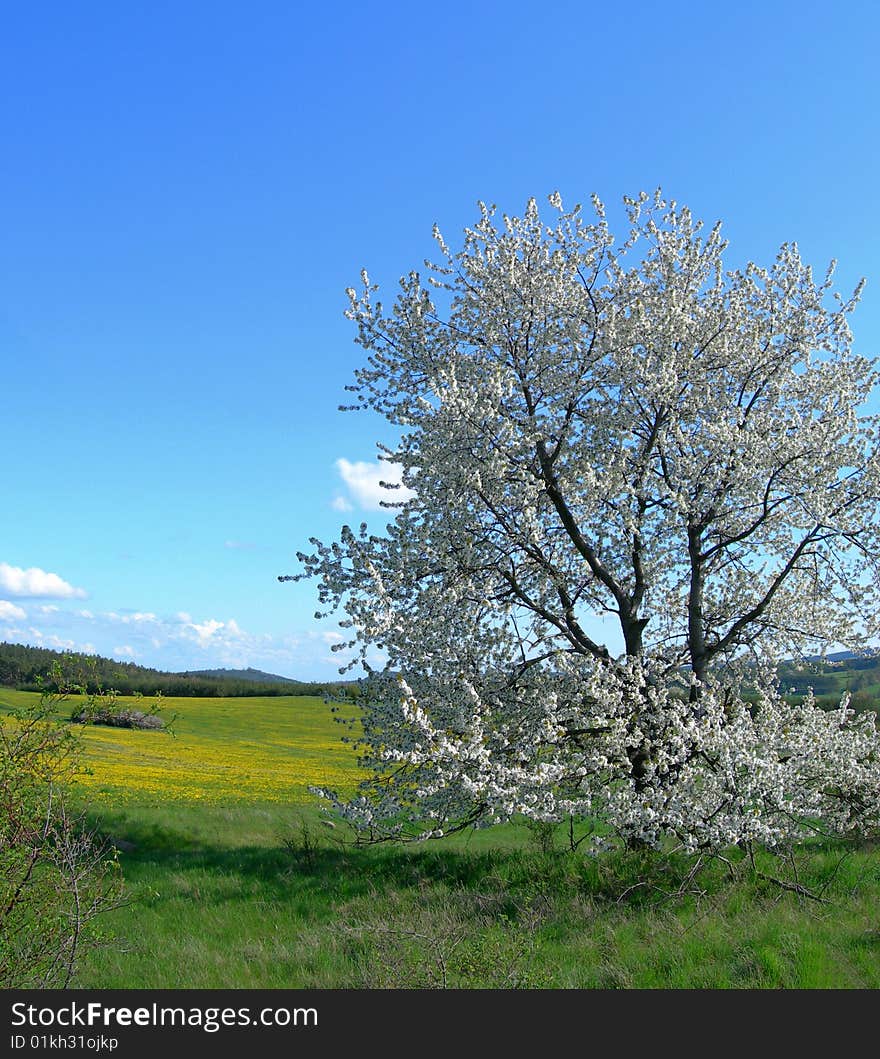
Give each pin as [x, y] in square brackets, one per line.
[222, 751]
[234, 880]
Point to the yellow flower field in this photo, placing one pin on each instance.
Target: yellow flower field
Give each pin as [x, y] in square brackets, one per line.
[222, 750]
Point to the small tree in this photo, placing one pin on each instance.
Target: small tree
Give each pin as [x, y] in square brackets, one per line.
[56, 876]
[631, 432]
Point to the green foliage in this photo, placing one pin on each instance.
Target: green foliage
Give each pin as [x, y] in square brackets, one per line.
[22, 667]
[543, 834]
[242, 892]
[98, 705]
[55, 875]
[256, 896]
[831, 678]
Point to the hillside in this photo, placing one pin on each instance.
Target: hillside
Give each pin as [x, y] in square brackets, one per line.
[255, 675]
[831, 677]
[23, 667]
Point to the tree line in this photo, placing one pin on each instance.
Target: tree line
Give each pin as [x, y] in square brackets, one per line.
[24, 667]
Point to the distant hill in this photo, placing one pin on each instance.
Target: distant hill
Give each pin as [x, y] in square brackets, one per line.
[830, 677]
[22, 667]
[256, 675]
[841, 656]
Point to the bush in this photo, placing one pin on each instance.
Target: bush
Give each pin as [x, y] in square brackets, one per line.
[118, 718]
[102, 706]
[56, 876]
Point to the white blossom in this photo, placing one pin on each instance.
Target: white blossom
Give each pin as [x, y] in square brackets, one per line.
[631, 431]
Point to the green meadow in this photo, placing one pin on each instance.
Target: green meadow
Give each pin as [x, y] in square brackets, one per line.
[233, 878]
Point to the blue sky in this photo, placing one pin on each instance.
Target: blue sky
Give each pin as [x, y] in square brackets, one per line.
[187, 189]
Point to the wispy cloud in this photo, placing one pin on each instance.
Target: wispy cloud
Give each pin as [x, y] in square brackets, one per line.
[136, 617]
[206, 629]
[364, 481]
[34, 583]
[239, 546]
[175, 641]
[10, 612]
[50, 640]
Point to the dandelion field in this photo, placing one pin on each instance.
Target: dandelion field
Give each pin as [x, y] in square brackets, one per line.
[234, 880]
[221, 751]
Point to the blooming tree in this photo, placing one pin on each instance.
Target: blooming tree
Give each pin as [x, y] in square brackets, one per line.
[627, 432]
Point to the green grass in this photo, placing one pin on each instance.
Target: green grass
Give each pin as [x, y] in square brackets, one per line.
[222, 751]
[258, 896]
[250, 889]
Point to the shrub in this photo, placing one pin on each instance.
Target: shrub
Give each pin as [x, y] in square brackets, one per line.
[56, 875]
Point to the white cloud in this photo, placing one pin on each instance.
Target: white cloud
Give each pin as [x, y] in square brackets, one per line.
[206, 629]
[238, 545]
[33, 583]
[136, 617]
[9, 611]
[364, 483]
[168, 642]
[339, 503]
[218, 635]
[57, 643]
